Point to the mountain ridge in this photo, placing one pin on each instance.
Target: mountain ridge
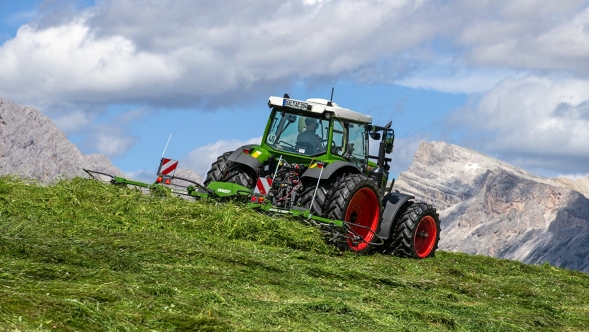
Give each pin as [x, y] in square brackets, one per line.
[492, 208]
[32, 147]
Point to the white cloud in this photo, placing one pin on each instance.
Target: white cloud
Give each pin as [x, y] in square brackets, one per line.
[312, 2]
[110, 141]
[529, 35]
[534, 122]
[146, 176]
[68, 62]
[403, 152]
[200, 159]
[456, 78]
[73, 122]
[186, 53]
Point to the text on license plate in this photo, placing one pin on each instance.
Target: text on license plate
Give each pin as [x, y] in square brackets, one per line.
[295, 104]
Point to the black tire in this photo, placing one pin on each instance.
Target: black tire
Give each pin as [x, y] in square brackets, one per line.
[223, 171]
[218, 169]
[417, 232]
[320, 198]
[239, 175]
[357, 200]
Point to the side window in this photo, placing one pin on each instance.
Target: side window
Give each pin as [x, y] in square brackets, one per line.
[339, 139]
[357, 138]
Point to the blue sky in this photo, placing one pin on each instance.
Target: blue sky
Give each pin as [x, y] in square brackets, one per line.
[506, 78]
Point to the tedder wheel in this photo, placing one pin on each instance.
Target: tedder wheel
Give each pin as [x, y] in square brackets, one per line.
[356, 199]
[417, 232]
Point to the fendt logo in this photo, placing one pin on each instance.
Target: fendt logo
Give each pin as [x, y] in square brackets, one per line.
[225, 191]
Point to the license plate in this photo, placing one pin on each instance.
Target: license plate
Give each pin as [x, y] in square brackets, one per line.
[295, 104]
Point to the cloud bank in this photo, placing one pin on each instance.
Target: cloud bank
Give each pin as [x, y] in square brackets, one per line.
[523, 61]
[194, 52]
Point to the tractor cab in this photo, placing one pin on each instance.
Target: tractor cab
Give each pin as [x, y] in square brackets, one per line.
[316, 129]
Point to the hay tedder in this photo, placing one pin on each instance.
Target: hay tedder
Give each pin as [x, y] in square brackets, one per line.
[314, 163]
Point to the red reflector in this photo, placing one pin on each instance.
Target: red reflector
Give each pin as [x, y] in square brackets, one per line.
[254, 199]
[246, 150]
[159, 179]
[168, 181]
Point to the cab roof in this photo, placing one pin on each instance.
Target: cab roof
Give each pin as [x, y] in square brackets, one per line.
[320, 106]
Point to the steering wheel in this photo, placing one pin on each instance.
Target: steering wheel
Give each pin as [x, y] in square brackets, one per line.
[290, 145]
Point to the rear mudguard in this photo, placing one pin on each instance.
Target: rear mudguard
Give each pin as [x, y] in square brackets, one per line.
[392, 204]
[329, 170]
[242, 158]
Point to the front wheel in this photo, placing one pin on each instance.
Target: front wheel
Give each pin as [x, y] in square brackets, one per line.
[417, 232]
[218, 169]
[356, 200]
[242, 176]
[222, 170]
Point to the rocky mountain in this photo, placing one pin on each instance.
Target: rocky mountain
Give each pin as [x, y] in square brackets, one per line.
[489, 207]
[187, 174]
[31, 146]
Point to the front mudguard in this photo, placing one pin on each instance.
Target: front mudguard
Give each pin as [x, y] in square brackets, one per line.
[392, 204]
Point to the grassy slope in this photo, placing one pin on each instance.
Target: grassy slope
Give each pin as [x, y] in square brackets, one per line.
[82, 255]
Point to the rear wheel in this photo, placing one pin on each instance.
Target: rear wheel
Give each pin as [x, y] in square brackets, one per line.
[320, 200]
[356, 199]
[418, 232]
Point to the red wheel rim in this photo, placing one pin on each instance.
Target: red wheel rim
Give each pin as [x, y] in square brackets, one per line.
[363, 210]
[425, 236]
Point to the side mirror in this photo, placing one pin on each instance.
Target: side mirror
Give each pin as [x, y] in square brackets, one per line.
[375, 136]
[388, 141]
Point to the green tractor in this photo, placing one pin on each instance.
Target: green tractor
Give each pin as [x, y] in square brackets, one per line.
[314, 162]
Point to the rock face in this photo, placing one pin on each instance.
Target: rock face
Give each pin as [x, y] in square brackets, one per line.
[491, 208]
[32, 147]
[187, 174]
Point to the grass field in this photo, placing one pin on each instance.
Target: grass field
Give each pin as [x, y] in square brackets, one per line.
[86, 256]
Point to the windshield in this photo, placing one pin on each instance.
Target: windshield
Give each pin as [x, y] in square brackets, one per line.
[304, 134]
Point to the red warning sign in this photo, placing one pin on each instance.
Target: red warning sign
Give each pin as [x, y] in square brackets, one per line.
[167, 167]
[263, 186]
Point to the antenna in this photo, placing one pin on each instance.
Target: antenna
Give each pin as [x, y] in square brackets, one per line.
[169, 138]
[330, 99]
